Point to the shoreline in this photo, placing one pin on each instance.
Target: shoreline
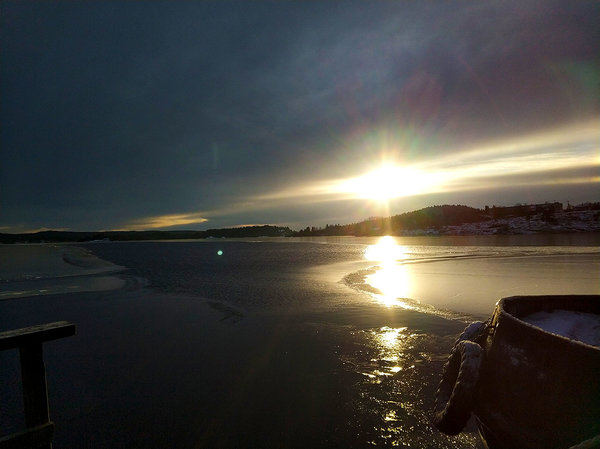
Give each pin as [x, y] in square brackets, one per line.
[510, 227]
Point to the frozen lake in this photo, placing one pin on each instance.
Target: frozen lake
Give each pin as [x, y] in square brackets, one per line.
[333, 342]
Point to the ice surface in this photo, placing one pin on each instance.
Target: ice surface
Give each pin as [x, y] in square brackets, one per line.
[584, 327]
[372, 370]
[45, 269]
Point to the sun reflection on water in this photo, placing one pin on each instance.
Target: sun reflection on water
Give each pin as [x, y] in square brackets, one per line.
[388, 336]
[390, 343]
[386, 250]
[399, 369]
[392, 278]
[399, 365]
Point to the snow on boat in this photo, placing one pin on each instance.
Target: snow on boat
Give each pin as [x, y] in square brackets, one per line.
[530, 375]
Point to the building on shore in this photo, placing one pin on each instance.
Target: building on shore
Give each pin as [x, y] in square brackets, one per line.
[521, 210]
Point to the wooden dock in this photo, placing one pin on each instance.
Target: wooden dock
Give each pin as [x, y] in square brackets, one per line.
[29, 340]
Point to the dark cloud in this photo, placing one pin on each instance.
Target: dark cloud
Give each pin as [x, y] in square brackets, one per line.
[112, 111]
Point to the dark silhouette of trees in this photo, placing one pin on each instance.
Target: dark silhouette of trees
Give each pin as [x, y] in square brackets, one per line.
[433, 217]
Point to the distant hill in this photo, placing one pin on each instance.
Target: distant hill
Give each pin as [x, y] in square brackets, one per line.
[465, 220]
[426, 218]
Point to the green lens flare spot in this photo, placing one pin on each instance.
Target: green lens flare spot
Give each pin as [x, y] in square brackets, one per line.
[219, 253]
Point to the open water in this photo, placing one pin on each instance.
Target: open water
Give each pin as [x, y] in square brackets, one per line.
[335, 342]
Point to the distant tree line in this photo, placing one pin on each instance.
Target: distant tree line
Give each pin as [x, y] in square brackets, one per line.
[69, 236]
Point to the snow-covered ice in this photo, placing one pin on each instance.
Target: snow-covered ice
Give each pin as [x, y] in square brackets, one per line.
[584, 327]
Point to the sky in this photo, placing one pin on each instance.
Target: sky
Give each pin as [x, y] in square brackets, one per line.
[120, 115]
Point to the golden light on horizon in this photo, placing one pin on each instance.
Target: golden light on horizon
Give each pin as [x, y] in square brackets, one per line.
[565, 156]
[165, 221]
[529, 160]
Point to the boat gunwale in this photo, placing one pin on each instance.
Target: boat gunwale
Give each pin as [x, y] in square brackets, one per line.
[502, 303]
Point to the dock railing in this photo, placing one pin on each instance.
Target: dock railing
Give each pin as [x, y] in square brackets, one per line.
[29, 340]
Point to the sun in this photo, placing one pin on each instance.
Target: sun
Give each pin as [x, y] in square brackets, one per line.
[390, 181]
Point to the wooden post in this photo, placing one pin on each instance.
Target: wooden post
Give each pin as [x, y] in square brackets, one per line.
[35, 390]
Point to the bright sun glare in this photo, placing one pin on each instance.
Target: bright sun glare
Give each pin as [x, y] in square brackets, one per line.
[391, 278]
[390, 181]
[385, 251]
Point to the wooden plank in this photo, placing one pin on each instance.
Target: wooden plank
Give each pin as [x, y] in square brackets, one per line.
[28, 335]
[34, 438]
[35, 391]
